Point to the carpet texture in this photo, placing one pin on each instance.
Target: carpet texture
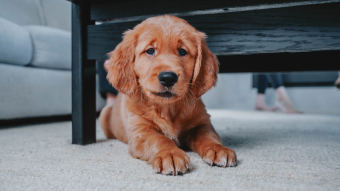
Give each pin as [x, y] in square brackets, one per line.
[275, 152]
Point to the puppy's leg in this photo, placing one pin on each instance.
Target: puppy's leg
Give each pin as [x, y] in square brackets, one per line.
[205, 141]
[104, 119]
[162, 153]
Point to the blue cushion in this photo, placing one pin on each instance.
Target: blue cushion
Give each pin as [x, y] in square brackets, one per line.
[52, 47]
[15, 44]
[22, 12]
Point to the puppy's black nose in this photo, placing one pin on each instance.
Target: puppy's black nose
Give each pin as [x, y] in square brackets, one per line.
[167, 79]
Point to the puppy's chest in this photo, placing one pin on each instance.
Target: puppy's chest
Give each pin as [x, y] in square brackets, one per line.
[171, 124]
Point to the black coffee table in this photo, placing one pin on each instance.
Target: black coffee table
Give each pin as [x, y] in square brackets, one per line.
[247, 36]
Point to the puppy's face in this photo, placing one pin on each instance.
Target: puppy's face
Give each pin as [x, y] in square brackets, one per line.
[166, 59]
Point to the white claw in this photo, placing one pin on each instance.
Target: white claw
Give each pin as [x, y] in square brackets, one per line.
[223, 162]
[232, 164]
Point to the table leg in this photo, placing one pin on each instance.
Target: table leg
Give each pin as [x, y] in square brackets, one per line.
[83, 79]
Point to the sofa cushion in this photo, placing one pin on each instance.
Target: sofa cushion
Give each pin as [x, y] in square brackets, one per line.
[15, 43]
[36, 92]
[22, 12]
[57, 13]
[52, 47]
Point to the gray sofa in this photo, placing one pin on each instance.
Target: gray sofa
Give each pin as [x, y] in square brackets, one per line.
[35, 58]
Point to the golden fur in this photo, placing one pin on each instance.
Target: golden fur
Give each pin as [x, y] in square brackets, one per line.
[155, 127]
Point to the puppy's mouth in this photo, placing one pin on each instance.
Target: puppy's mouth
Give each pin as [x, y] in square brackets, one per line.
[165, 94]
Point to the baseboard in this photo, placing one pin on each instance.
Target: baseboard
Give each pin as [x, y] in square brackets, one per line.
[16, 122]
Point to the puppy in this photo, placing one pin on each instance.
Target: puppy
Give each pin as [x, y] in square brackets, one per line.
[161, 69]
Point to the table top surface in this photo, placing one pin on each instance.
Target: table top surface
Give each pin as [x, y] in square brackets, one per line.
[286, 29]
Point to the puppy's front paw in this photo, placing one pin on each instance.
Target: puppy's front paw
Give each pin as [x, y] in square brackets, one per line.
[219, 155]
[174, 162]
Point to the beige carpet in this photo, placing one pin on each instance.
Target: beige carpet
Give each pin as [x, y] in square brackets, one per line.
[275, 152]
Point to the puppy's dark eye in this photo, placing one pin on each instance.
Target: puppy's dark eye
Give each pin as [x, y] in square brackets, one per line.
[182, 52]
[150, 51]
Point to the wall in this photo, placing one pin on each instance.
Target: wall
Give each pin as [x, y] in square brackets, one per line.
[234, 91]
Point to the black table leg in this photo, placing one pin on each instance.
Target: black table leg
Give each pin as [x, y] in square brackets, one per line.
[83, 79]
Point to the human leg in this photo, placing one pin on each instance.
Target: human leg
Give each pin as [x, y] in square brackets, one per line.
[260, 98]
[283, 100]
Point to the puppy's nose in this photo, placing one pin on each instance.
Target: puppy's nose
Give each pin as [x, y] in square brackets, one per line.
[167, 79]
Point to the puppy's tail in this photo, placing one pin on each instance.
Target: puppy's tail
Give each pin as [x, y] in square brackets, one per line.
[105, 121]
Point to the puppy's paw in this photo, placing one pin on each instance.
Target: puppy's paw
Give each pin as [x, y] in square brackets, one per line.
[219, 155]
[174, 162]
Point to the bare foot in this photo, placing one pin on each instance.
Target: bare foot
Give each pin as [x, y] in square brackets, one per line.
[337, 82]
[286, 108]
[110, 99]
[283, 101]
[262, 106]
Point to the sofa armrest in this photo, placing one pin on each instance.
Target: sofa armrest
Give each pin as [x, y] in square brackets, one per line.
[15, 44]
[52, 47]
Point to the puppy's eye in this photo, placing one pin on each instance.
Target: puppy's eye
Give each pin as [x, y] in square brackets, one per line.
[150, 51]
[182, 52]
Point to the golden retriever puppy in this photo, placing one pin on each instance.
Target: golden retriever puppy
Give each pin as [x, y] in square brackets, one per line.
[161, 68]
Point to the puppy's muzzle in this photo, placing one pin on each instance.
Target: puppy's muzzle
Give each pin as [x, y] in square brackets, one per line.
[167, 79]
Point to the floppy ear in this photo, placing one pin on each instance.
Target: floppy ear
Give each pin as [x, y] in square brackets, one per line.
[120, 67]
[205, 70]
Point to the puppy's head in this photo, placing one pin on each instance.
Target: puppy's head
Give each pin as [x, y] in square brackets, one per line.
[165, 59]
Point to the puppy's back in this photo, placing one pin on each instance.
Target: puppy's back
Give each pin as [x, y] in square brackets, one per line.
[105, 121]
[112, 119]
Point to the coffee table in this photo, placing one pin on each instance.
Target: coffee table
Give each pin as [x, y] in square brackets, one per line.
[246, 35]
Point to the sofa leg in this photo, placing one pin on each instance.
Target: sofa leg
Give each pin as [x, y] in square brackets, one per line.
[83, 79]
